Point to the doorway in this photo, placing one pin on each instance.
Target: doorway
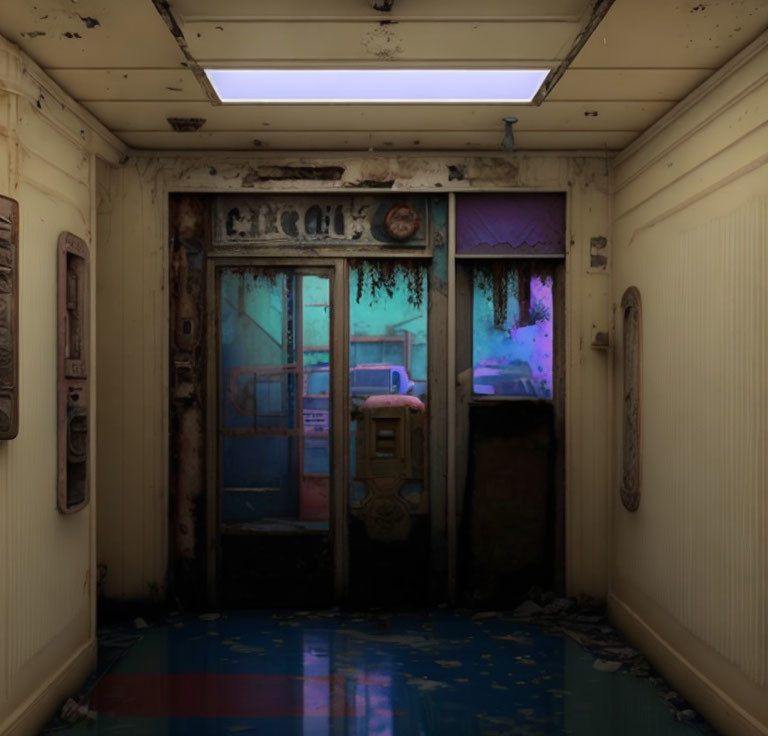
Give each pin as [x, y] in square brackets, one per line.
[273, 434]
[312, 422]
[303, 425]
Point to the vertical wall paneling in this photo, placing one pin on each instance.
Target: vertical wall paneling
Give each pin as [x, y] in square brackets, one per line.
[690, 231]
[46, 573]
[587, 392]
[132, 331]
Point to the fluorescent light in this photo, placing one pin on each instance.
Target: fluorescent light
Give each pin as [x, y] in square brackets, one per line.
[377, 85]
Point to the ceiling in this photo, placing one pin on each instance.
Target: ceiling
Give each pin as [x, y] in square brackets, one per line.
[122, 61]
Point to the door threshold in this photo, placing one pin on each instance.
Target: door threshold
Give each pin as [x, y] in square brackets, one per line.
[276, 526]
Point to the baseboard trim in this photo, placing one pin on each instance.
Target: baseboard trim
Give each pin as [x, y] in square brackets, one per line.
[36, 711]
[713, 703]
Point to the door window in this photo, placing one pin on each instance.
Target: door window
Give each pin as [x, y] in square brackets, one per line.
[512, 328]
[274, 429]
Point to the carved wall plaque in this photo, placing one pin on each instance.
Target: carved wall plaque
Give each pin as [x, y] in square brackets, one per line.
[632, 324]
[9, 318]
[73, 370]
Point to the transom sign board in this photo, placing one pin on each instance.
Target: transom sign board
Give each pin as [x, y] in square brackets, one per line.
[326, 220]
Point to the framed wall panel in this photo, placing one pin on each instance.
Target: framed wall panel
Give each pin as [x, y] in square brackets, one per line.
[73, 371]
[9, 318]
[632, 335]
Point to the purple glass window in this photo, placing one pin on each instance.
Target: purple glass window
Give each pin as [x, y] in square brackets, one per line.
[512, 329]
[514, 224]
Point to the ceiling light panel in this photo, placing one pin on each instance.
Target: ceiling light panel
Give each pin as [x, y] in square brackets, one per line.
[456, 86]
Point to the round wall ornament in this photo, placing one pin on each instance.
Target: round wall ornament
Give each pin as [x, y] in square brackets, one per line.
[402, 221]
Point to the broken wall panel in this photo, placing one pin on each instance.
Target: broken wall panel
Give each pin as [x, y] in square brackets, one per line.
[190, 230]
[74, 386]
[513, 224]
[9, 318]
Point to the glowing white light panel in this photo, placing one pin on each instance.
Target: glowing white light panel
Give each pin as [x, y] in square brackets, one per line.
[377, 85]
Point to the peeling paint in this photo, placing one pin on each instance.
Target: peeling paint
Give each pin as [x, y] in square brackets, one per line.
[186, 125]
[282, 173]
[382, 43]
[372, 184]
[89, 21]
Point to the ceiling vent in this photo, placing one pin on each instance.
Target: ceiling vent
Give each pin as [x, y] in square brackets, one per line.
[186, 125]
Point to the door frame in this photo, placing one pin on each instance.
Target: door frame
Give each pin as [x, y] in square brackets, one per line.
[339, 400]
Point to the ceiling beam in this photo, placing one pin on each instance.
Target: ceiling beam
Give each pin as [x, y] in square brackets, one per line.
[164, 9]
[596, 15]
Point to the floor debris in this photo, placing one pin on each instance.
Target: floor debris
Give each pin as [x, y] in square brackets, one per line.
[559, 669]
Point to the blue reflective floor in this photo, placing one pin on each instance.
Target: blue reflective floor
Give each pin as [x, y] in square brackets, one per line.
[323, 673]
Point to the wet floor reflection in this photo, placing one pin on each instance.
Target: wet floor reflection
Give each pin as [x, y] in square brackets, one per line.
[318, 674]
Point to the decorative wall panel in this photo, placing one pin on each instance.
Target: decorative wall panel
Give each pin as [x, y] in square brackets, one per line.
[630, 478]
[9, 318]
[74, 389]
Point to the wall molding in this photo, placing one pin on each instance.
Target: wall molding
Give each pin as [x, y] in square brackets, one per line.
[693, 199]
[22, 77]
[700, 193]
[701, 92]
[713, 702]
[34, 712]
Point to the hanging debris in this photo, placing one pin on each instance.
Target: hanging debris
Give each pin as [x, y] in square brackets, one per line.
[499, 279]
[374, 275]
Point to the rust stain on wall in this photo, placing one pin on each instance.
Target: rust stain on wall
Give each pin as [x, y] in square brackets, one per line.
[189, 229]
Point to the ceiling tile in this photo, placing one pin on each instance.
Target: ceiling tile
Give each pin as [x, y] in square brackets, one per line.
[627, 84]
[130, 84]
[245, 43]
[686, 34]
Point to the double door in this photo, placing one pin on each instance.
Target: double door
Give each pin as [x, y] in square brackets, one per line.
[321, 417]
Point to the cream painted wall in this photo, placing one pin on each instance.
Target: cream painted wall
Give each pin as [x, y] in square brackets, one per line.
[47, 560]
[690, 231]
[132, 305]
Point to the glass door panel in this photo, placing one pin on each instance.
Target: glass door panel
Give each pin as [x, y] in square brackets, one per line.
[388, 499]
[274, 436]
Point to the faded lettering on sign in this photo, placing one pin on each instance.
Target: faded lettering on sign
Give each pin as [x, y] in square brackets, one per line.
[320, 220]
